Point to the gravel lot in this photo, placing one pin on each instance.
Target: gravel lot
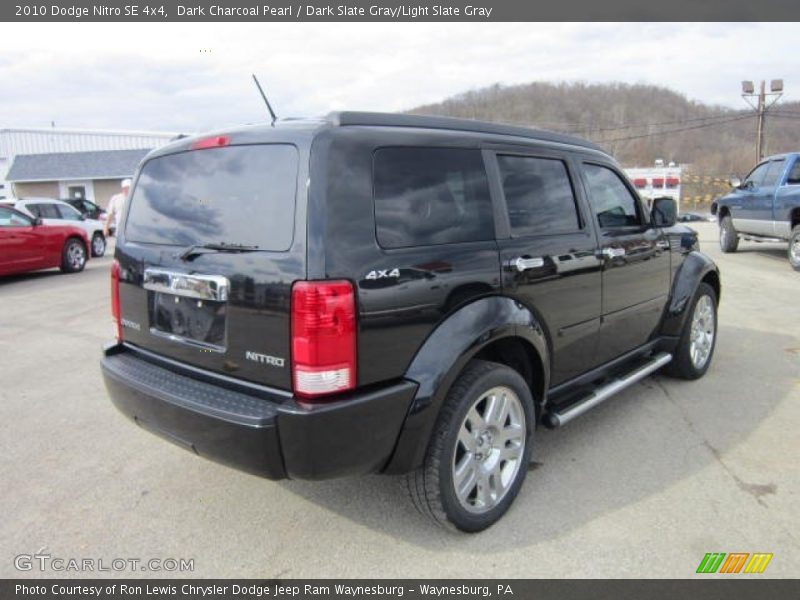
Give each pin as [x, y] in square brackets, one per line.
[642, 486]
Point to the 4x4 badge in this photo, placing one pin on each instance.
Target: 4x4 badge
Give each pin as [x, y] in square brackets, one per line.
[383, 274]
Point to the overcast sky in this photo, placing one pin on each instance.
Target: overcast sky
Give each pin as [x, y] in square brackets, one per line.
[155, 77]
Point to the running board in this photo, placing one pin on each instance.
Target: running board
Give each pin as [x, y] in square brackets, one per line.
[558, 419]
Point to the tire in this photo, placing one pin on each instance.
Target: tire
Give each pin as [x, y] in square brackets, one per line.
[98, 244]
[691, 346]
[728, 238]
[73, 256]
[794, 248]
[457, 442]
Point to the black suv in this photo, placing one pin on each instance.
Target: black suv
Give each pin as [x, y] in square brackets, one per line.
[372, 293]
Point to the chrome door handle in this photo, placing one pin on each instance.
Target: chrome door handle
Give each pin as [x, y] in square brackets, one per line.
[612, 253]
[521, 264]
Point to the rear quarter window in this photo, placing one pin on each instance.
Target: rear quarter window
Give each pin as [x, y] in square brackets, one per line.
[430, 196]
[236, 194]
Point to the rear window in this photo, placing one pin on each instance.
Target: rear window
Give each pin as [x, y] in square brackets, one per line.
[431, 196]
[234, 195]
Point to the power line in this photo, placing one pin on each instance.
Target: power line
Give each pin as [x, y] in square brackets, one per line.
[656, 133]
[658, 124]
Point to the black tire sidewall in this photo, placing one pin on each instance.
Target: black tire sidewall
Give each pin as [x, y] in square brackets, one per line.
[65, 265]
[732, 237]
[685, 366]
[792, 239]
[459, 516]
[94, 237]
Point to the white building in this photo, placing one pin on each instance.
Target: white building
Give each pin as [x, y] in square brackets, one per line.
[658, 180]
[61, 163]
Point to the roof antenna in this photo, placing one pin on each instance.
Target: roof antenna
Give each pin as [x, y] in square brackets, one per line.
[264, 96]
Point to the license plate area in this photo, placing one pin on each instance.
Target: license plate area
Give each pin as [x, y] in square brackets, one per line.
[189, 308]
[189, 319]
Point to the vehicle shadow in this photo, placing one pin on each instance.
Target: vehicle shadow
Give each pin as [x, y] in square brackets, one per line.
[8, 280]
[639, 443]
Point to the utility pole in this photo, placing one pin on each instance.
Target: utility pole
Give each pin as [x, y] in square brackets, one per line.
[761, 107]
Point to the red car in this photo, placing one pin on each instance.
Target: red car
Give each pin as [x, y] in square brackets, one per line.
[27, 245]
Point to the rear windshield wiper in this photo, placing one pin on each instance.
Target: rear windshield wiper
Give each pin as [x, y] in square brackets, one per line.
[198, 249]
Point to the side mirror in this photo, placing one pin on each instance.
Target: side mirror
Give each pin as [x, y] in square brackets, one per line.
[664, 212]
[37, 221]
[735, 182]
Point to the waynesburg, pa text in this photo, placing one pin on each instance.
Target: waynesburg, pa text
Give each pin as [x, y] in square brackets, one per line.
[260, 591]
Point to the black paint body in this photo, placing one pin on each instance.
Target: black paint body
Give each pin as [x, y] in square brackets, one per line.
[448, 303]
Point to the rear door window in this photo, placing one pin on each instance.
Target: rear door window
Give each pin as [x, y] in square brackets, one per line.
[45, 211]
[431, 196]
[233, 195]
[68, 213]
[539, 196]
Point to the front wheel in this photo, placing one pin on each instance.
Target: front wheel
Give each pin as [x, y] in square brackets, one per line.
[794, 248]
[98, 244]
[699, 337]
[728, 238]
[73, 256]
[479, 452]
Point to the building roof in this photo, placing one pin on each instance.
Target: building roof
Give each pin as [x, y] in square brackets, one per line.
[61, 166]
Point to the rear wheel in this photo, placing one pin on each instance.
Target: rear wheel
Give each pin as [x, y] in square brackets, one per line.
[479, 453]
[73, 256]
[98, 244]
[698, 338]
[728, 238]
[794, 248]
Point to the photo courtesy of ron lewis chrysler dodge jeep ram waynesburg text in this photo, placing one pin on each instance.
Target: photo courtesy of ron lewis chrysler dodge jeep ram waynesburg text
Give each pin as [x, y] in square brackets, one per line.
[763, 208]
[376, 293]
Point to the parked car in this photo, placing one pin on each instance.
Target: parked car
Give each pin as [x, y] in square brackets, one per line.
[690, 217]
[87, 208]
[374, 293]
[28, 245]
[57, 212]
[763, 208]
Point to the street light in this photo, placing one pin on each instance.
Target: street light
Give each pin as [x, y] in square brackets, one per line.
[776, 85]
[748, 87]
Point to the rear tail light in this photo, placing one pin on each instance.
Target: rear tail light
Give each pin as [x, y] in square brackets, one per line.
[323, 337]
[115, 310]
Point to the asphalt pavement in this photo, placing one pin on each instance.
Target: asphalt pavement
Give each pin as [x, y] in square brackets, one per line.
[642, 486]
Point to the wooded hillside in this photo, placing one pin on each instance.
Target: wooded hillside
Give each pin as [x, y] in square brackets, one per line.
[636, 123]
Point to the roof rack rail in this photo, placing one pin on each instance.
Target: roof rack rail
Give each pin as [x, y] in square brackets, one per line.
[345, 118]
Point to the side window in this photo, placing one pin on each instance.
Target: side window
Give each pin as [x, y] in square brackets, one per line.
[611, 200]
[11, 218]
[756, 176]
[773, 173]
[67, 212]
[45, 211]
[539, 195]
[430, 196]
[794, 174]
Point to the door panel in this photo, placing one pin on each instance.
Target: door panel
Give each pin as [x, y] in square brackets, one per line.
[550, 262]
[636, 271]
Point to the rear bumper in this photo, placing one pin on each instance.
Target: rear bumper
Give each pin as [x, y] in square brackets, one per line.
[272, 437]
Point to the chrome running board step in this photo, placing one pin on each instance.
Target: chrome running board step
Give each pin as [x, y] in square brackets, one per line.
[604, 392]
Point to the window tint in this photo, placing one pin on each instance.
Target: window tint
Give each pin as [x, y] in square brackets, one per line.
[236, 195]
[45, 211]
[611, 200]
[538, 195]
[68, 212]
[756, 175]
[773, 173]
[11, 218]
[794, 174]
[428, 196]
